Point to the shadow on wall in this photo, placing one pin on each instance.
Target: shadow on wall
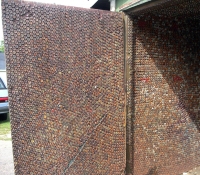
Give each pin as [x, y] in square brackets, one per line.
[167, 79]
[176, 55]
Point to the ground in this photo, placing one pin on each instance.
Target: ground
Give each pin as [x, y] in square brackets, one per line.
[5, 130]
[6, 156]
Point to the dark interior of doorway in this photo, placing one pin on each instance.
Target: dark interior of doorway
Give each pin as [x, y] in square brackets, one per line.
[102, 5]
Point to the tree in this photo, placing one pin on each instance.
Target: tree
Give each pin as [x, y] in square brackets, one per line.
[2, 46]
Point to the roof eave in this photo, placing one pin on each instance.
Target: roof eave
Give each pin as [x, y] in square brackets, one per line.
[132, 4]
[141, 5]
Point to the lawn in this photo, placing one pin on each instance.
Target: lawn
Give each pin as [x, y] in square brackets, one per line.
[5, 130]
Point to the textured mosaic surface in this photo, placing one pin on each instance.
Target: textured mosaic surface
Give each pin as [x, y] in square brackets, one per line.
[65, 71]
[163, 90]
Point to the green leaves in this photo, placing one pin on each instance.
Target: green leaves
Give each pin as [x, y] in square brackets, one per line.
[2, 46]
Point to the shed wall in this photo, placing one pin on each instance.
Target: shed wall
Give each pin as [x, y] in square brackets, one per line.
[163, 93]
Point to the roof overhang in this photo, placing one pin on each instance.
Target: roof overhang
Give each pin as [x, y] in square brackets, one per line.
[139, 5]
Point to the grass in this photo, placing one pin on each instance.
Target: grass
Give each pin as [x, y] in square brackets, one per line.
[5, 129]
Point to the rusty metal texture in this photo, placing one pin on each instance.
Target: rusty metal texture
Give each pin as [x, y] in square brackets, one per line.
[65, 69]
[163, 122]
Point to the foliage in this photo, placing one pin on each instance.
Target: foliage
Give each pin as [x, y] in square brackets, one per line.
[2, 46]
